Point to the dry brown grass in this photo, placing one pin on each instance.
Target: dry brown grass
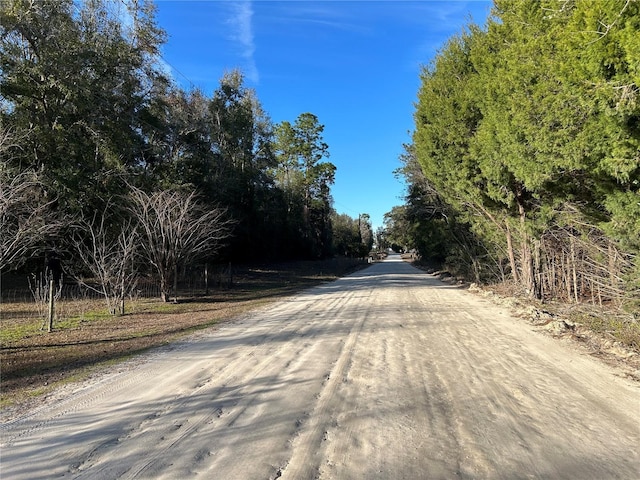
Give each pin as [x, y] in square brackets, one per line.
[85, 336]
[609, 321]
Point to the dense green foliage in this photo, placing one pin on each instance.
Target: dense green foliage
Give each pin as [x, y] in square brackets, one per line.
[88, 115]
[351, 237]
[526, 155]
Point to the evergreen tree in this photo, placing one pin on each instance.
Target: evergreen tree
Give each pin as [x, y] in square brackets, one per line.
[529, 130]
[78, 89]
[306, 181]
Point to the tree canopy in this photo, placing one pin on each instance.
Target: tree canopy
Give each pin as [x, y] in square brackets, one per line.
[94, 133]
[528, 137]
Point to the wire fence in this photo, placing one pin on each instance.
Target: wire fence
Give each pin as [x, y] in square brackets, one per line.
[20, 288]
[77, 291]
[23, 296]
[191, 281]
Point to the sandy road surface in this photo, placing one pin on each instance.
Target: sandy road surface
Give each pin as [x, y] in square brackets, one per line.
[385, 374]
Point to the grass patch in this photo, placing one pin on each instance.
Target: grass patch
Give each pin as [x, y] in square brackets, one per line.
[17, 331]
[620, 328]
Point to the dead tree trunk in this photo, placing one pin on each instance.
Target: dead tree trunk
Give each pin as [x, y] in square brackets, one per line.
[512, 258]
[574, 273]
[528, 274]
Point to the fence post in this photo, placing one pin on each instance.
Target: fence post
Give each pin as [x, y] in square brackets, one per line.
[52, 285]
[206, 279]
[175, 283]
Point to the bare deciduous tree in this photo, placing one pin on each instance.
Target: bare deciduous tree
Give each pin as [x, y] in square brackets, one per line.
[109, 257]
[25, 213]
[176, 229]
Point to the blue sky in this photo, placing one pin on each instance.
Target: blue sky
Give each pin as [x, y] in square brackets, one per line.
[353, 64]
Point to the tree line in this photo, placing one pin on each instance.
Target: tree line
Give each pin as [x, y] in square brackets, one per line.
[110, 167]
[525, 159]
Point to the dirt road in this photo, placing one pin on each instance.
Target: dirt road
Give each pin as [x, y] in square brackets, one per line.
[385, 374]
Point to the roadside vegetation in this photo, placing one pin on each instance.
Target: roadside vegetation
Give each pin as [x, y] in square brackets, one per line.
[109, 170]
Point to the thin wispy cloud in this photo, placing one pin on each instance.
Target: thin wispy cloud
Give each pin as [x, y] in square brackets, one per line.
[319, 14]
[241, 22]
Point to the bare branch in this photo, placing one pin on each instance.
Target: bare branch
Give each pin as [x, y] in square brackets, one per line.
[25, 217]
[108, 257]
[177, 229]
